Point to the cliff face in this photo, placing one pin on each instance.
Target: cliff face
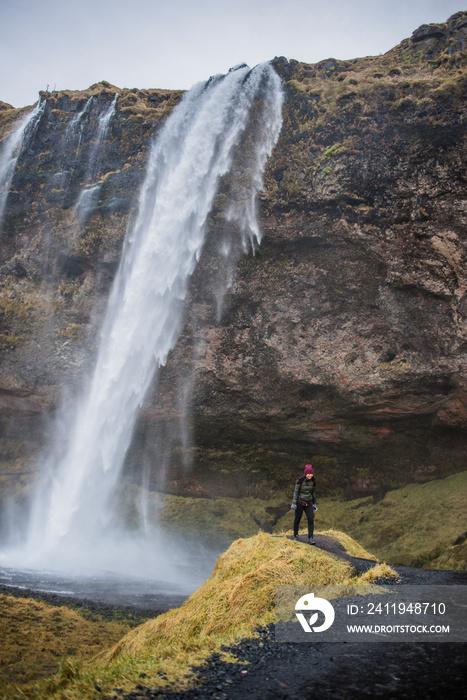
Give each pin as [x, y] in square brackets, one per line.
[342, 340]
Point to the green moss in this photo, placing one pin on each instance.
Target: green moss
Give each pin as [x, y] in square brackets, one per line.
[9, 342]
[14, 318]
[73, 331]
[11, 310]
[337, 149]
[399, 529]
[220, 520]
[453, 556]
[417, 525]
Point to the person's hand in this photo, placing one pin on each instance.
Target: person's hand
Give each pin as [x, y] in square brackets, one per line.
[315, 507]
[293, 506]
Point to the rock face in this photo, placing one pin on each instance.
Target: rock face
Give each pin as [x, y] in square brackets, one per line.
[342, 339]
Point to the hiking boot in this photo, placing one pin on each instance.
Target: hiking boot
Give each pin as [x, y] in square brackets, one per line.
[311, 540]
[295, 538]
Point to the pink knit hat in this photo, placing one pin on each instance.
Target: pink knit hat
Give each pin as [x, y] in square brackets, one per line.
[309, 469]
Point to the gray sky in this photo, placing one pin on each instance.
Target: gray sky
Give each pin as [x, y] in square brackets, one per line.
[71, 44]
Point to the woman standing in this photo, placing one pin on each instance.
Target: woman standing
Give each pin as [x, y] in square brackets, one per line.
[304, 500]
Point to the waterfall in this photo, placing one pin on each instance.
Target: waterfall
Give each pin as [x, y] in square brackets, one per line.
[88, 197]
[102, 126]
[75, 128]
[72, 514]
[71, 142]
[12, 148]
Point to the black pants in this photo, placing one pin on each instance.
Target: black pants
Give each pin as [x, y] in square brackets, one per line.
[310, 514]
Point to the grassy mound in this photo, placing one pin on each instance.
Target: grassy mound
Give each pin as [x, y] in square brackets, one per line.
[237, 598]
[34, 637]
[420, 525]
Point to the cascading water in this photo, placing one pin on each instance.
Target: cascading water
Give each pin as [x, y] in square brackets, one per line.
[89, 194]
[72, 523]
[12, 148]
[74, 130]
[71, 142]
[102, 126]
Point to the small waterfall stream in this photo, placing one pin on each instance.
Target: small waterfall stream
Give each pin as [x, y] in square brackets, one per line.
[72, 524]
[89, 194]
[75, 128]
[71, 143]
[12, 148]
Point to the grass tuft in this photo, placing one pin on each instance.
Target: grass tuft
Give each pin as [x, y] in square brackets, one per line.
[377, 572]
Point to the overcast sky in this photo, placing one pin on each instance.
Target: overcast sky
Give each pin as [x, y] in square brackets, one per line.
[70, 44]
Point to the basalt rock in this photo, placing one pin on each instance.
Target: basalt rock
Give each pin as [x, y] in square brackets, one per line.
[341, 341]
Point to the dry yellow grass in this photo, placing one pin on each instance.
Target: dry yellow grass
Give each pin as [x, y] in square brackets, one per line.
[378, 571]
[34, 637]
[238, 597]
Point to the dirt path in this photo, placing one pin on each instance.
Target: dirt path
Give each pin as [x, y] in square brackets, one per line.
[408, 574]
[333, 546]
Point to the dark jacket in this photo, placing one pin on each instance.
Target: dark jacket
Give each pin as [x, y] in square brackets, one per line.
[304, 491]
